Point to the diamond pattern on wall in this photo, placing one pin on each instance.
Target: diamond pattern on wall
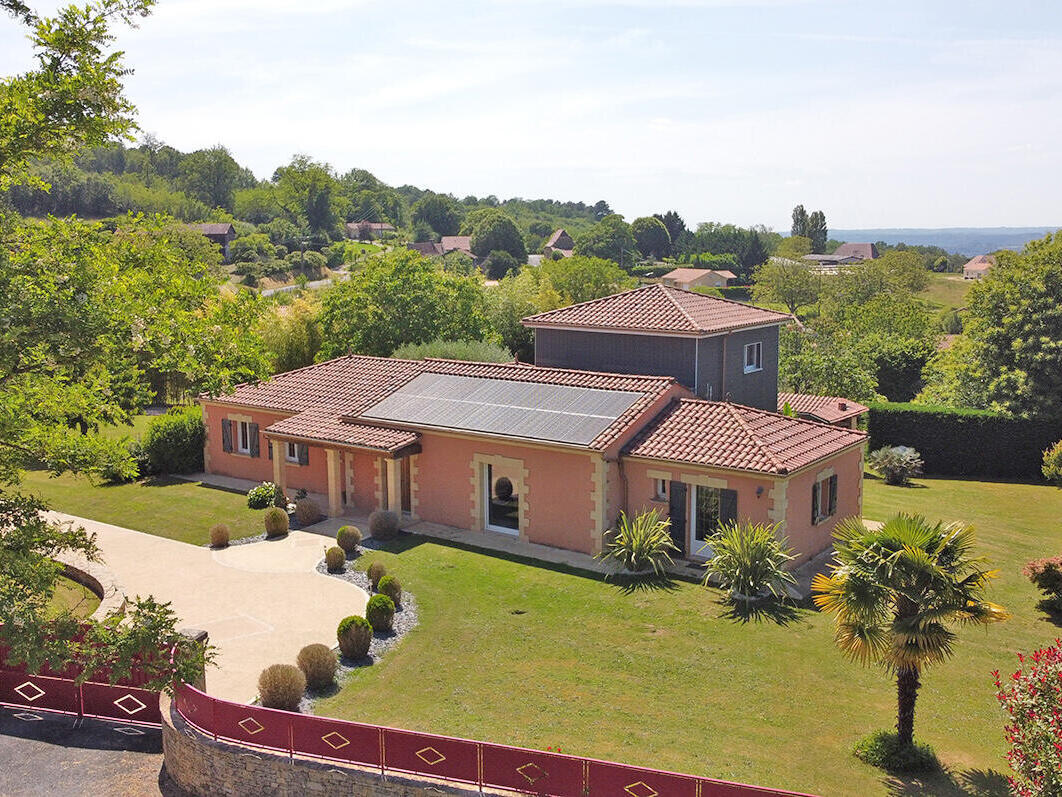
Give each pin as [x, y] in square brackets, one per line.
[430, 756]
[335, 740]
[532, 772]
[251, 725]
[640, 789]
[130, 704]
[30, 691]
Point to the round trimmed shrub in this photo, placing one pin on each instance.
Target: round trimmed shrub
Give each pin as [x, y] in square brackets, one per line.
[281, 686]
[219, 535]
[376, 572]
[348, 538]
[276, 522]
[354, 635]
[307, 512]
[335, 558]
[392, 588]
[883, 749]
[380, 612]
[383, 525]
[318, 663]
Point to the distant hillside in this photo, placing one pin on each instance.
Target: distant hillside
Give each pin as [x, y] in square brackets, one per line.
[965, 240]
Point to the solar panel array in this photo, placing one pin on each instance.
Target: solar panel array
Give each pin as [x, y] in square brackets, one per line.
[556, 413]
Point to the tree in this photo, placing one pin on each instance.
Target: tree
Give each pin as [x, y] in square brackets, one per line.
[651, 236]
[212, 176]
[400, 297]
[674, 224]
[439, 212]
[817, 232]
[823, 363]
[897, 591]
[786, 282]
[580, 279]
[308, 195]
[292, 334]
[610, 238]
[800, 223]
[517, 296]
[496, 231]
[74, 99]
[499, 263]
[794, 248]
[1014, 319]
[479, 351]
[955, 377]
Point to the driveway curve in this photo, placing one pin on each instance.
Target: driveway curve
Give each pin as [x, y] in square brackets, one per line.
[260, 602]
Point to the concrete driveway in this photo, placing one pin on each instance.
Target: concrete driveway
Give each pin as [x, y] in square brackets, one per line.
[260, 602]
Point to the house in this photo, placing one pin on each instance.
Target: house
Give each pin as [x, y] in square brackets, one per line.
[549, 454]
[448, 243]
[561, 242]
[830, 264]
[368, 230]
[976, 268]
[221, 233]
[825, 409]
[864, 251]
[689, 278]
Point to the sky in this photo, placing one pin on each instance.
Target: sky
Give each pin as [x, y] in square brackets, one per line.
[923, 113]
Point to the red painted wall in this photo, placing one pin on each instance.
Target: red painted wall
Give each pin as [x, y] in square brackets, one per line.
[807, 539]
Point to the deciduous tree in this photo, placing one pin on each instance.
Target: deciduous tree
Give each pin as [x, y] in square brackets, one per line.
[651, 236]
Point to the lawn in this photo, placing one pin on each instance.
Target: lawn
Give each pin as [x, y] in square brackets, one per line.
[73, 597]
[947, 291]
[168, 507]
[532, 656]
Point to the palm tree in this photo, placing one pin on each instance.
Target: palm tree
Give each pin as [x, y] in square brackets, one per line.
[897, 590]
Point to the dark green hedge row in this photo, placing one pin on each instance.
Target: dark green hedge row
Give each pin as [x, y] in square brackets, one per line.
[965, 442]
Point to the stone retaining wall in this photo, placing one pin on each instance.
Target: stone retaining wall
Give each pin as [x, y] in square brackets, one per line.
[202, 766]
[97, 577]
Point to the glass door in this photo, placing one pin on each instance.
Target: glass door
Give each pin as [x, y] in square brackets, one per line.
[500, 501]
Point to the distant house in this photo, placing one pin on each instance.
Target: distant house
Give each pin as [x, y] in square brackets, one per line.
[861, 251]
[561, 242]
[690, 278]
[976, 268]
[449, 243]
[825, 409]
[220, 233]
[368, 230]
[829, 264]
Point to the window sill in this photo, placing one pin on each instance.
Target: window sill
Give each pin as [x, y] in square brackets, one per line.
[753, 370]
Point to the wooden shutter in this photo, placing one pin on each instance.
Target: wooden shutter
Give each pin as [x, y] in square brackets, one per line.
[677, 513]
[833, 494]
[252, 433]
[814, 503]
[269, 448]
[727, 506]
[304, 454]
[226, 435]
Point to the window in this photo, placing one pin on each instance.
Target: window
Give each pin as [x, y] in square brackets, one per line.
[660, 489]
[823, 499]
[292, 453]
[753, 357]
[243, 439]
[710, 508]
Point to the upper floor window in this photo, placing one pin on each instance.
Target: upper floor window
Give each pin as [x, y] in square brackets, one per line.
[753, 357]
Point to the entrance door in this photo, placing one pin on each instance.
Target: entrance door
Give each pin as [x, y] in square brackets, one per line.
[501, 504]
[710, 508]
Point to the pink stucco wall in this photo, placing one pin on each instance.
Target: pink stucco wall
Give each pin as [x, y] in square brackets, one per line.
[807, 539]
[558, 490]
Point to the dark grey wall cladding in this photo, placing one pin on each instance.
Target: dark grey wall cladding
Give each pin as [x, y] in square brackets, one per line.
[650, 355]
[756, 389]
[559, 413]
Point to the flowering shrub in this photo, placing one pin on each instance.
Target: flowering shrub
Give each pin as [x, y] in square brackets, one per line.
[1046, 576]
[1032, 698]
[1052, 468]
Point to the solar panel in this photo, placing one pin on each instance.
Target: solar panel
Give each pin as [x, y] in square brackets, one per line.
[557, 413]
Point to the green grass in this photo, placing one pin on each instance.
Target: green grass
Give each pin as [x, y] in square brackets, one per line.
[529, 655]
[946, 291]
[73, 597]
[168, 507]
[136, 429]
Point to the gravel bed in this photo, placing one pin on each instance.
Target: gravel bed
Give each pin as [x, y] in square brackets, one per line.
[405, 619]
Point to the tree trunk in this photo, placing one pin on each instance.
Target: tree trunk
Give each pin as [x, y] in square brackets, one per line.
[906, 693]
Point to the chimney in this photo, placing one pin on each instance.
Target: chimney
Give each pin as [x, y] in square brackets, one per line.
[842, 405]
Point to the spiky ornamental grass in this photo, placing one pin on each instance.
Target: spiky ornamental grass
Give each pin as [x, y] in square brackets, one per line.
[749, 560]
[641, 543]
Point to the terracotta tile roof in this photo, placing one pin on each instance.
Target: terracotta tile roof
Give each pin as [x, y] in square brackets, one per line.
[328, 427]
[980, 263]
[429, 248]
[722, 435]
[215, 228]
[560, 240]
[662, 309]
[686, 274]
[730, 275]
[351, 384]
[347, 384]
[451, 242]
[828, 409]
[862, 251]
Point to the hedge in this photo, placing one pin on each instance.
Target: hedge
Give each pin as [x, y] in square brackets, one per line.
[956, 442]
